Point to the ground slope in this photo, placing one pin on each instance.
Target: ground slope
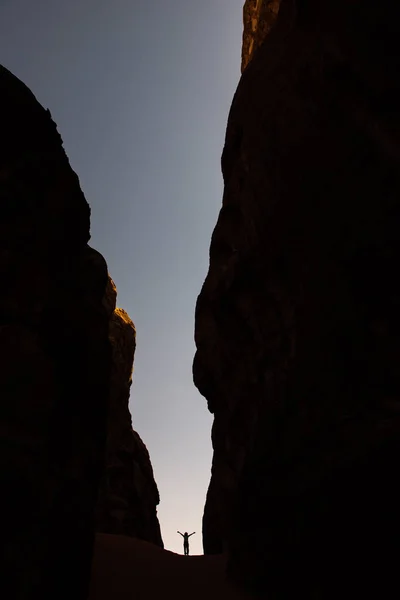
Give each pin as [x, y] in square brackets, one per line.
[126, 568]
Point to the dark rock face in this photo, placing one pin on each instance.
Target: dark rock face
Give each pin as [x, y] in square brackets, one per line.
[297, 324]
[55, 358]
[128, 493]
[66, 363]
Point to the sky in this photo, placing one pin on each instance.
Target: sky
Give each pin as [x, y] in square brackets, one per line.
[140, 92]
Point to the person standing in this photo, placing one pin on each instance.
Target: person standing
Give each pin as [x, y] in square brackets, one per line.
[186, 537]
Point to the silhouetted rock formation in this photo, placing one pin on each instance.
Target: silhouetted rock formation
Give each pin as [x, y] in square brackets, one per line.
[128, 494]
[55, 358]
[59, 371]
[297, 324]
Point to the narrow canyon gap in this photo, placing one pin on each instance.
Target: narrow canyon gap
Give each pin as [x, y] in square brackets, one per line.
[297, 329]
[140, 92]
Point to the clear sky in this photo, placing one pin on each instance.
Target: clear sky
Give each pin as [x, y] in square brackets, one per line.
[140, 91]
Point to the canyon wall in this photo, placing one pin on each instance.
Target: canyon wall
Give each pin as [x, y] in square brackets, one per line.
[55, 358]
[297, 323]
[59, 371]
[259, 17]
[128, 495]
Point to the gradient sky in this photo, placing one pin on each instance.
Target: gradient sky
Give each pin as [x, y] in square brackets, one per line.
[140, 91]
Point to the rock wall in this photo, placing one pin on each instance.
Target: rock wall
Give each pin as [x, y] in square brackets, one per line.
[297, 324]
[55, 358]
[66, 358]
[259, 17]
[128, 496]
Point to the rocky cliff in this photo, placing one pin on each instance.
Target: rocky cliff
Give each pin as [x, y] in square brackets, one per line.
[128, 494]
[259, 17]
[297, 324]
[58, 370]
[55, 358]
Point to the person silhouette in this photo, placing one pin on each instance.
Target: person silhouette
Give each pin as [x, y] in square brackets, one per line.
[186, 537]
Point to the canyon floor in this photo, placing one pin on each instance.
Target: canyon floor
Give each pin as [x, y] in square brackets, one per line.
[128, 569]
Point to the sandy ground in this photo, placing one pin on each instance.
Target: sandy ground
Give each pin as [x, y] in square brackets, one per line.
[129, 569]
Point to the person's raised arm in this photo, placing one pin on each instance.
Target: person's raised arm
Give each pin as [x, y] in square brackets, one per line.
[180, 533]
[192, 533]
